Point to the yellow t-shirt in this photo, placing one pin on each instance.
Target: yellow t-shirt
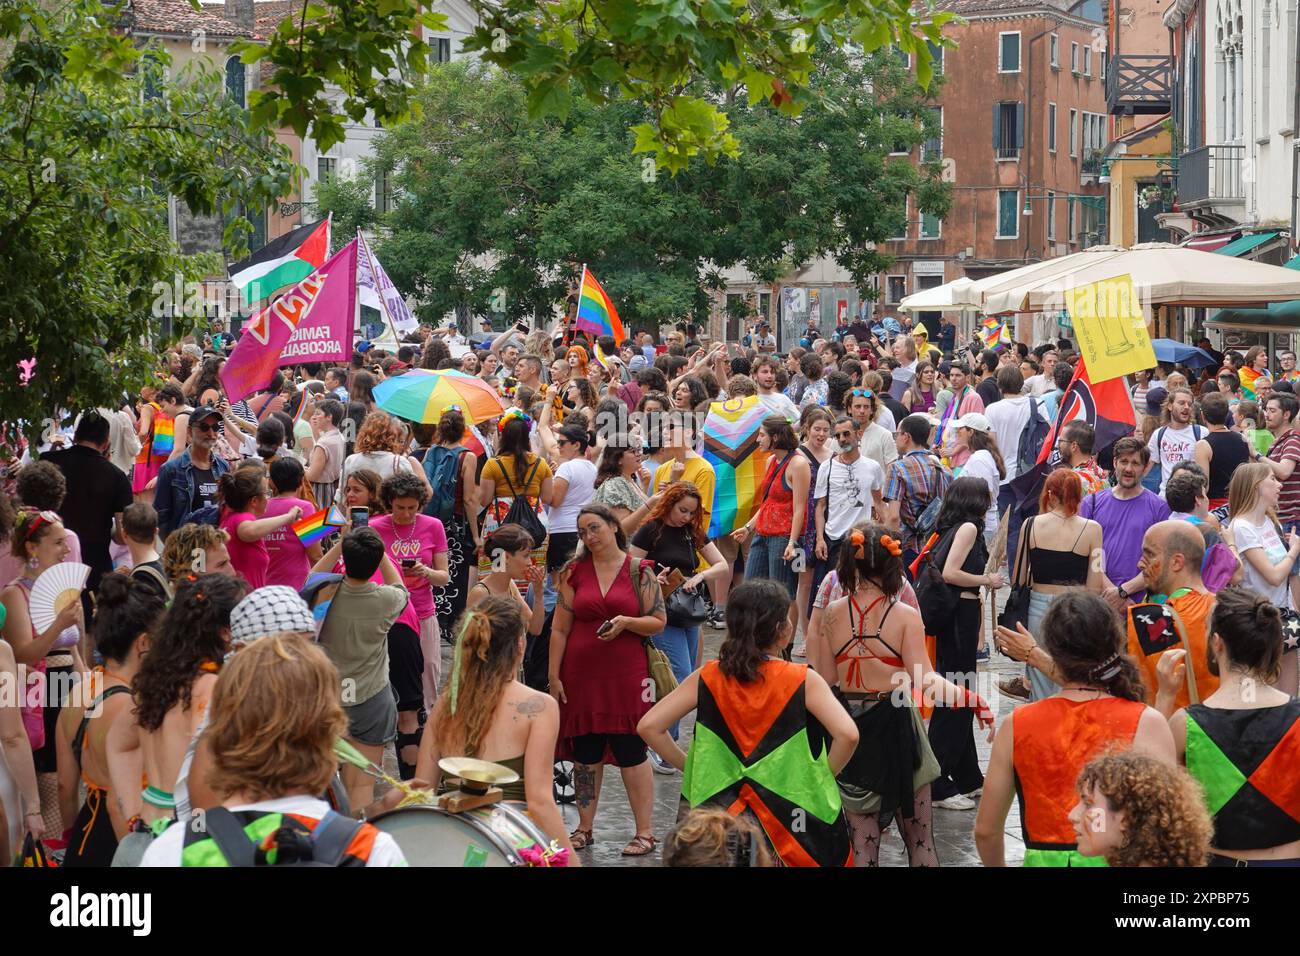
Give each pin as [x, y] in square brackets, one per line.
[699, 473]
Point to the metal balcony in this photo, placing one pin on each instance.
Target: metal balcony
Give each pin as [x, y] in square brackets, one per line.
[1210, 175]
[1140, 85]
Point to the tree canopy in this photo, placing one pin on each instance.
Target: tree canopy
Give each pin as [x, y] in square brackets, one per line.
[497, 212]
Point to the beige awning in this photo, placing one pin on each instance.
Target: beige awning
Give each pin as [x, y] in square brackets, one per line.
[952, 296]
[1005, 292]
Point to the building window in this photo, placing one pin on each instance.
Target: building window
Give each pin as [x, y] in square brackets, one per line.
[895, 288]
[1009, 52]
[1074, 58]
[900, 235]
[441, 50]
[936, 57]
[1074, 137]
[1087, 61]
[931, 226]
[1051, 127]
[1070, 231]
[903, 57]
[1054, 49]
[326, 166]
[1008, 214]
[1102, 64]
[1051, 216]
[1008, 129]
[383, 192]
[235, 81]
[932, 148]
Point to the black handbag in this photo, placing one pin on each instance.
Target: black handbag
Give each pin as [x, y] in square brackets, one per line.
[1016, 610]
[686, 608]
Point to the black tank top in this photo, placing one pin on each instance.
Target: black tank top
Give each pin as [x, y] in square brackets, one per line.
[1229, 454]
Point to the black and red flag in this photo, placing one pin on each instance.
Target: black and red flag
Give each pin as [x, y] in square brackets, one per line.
[1106, 406]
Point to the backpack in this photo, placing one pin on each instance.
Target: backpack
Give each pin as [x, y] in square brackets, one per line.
[521, 510]
[329, 840]
[145, 571]
[1157, 469]
[1032, 438]
[442, 468]
[318, 594]
[936, 598]
[929, 517]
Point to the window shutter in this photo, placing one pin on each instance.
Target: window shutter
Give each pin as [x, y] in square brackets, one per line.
[997, 126]
[1020, 126]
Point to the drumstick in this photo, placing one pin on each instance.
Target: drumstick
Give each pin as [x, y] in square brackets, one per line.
[350, 755]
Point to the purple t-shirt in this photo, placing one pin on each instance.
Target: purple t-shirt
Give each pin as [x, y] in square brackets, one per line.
[288, 556]
[249, 559]
[1123, 523]
[422, 541]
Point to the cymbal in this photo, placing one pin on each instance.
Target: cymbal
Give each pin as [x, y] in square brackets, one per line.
[477, 771]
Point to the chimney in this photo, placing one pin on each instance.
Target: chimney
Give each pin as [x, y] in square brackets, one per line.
[240, 13]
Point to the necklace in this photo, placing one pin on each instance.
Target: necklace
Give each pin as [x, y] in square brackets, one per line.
[399, 536]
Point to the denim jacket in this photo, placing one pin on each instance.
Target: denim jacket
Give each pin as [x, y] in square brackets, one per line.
[174, 493]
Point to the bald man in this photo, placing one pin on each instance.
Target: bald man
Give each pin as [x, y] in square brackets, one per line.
[1172, 554]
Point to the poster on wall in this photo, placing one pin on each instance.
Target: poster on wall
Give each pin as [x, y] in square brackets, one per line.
[841, 311]
[794, 316]
[815, 308]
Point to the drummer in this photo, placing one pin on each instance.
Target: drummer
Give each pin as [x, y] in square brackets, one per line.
[486, 713]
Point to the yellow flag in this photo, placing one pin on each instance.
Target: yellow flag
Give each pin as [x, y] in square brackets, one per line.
[1107, 318]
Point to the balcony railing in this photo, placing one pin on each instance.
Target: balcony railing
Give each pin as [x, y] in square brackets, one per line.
[1210, 174]
[1008, 152]
[1140, 84]
[1090, 165]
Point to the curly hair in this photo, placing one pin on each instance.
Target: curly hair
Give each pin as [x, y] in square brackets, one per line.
[489, 635]
[673, 494]
[402, 485]
[42, 486]
[382, 432]
[181, 545]
[189, 636]
[711, 837]
[1083, 635]
[275, 715]
[124, 609]
[1165, 819]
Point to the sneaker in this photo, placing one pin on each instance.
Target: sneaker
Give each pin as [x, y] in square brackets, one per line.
[717, 619]
[659, 764]
[982, 654]
[955, 802]
[801, 649]
[974, 794]
[1017, 687]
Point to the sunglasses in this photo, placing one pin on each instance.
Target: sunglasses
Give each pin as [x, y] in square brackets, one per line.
[862, 393]
[205, 426]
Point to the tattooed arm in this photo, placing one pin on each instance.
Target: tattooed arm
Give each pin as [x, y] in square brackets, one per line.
[654, 619]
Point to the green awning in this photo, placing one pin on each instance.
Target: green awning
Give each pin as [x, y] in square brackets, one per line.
[1280, 317]
[1244, 244]
[1293, 264]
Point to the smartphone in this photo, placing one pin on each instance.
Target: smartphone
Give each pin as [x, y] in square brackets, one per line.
[604, 628]
[522, 327]
[360, 517]
[408, 562]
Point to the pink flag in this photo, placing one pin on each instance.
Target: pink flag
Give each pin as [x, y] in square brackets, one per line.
[312, 322]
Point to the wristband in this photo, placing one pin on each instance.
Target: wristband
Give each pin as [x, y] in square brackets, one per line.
[983, 713]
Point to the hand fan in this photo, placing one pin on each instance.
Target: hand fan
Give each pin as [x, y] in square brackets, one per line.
[54, 590]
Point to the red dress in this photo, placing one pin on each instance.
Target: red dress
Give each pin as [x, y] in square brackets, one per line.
[604, 681]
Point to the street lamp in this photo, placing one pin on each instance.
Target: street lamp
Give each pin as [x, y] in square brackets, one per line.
[1027, 211]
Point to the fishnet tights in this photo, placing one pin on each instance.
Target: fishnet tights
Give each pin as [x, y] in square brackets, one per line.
[915, 831]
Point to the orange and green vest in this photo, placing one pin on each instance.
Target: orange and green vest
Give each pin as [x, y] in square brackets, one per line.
[1054, 739]
[199, 849]
[753, 751]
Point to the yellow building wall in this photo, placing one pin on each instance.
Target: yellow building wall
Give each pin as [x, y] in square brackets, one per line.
[1126, 172]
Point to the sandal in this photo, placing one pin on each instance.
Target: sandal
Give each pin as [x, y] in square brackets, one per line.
[639, 846]
[581, 839]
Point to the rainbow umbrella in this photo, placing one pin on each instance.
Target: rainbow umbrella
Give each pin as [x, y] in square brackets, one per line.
[422, 395]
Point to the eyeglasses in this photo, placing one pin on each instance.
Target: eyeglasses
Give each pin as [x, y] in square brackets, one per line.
[588, 531]
[205, 426]
[848, 434]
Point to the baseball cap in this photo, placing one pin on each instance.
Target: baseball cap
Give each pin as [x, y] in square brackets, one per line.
[204, 411]
[1156, 400]
[975, 422]
[270, 610]
[636, 363]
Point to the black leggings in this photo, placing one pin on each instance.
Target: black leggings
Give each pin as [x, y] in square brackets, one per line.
[628, 750]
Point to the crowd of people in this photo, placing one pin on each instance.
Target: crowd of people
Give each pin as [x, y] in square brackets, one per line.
[564, 555]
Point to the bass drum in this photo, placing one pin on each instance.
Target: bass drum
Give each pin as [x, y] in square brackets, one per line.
[485, 836]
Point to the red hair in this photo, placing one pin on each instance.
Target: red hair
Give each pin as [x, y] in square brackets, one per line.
[675, 493]
[1064, 486]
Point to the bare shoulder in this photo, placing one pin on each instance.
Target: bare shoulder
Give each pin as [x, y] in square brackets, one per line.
[528, 704]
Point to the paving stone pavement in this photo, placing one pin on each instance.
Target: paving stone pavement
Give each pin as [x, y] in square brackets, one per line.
[952, 828]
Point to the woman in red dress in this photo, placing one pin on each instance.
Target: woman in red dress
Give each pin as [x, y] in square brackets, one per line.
[608, 604]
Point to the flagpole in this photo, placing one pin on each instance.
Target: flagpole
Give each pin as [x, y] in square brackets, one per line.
[569, 326]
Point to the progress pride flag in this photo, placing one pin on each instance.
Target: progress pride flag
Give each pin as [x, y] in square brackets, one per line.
[312, 322]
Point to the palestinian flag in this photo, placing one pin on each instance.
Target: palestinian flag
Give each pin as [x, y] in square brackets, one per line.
[282, 262]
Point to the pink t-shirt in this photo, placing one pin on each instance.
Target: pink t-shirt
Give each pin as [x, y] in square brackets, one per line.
[248, 559]
[408, 615]
[287, 555]
[421, 541]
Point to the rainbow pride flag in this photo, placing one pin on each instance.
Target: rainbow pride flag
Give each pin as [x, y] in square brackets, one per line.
[994, 334]
[596, 313]
[164, 435]
[730, 436]
[1249, 377]
[313, 527]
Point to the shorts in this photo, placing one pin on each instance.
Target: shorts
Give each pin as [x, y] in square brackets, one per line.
[373, 722]
[629, 750]
[405, 667]
[562, 546]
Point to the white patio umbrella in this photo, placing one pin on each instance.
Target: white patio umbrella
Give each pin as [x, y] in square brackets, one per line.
[999, 293]
[952, 296]
[1166, 275]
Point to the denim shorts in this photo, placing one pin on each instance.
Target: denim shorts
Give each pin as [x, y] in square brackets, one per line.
[374, 722]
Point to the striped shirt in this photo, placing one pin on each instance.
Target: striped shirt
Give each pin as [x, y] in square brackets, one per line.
[1287, 448]
[913, 481]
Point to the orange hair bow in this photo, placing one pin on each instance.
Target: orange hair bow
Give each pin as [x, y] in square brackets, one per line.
[892, 545]
[859, 541]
